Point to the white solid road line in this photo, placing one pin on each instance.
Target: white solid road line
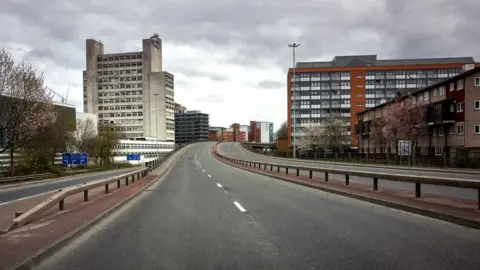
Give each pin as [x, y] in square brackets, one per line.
[240, 207]
[209, 175]
[220, 186]
[203, 170]
[28, 197]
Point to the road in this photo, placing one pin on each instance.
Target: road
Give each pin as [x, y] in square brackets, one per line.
[208, 215]
[28, 190]
[235, 150]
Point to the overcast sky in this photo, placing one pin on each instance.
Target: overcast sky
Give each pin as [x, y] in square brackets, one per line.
[230, 57]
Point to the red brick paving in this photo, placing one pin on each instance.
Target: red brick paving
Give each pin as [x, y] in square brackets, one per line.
[22, 243]
[466, 209]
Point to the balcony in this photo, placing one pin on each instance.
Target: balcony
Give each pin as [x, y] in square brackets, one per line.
[441, 113]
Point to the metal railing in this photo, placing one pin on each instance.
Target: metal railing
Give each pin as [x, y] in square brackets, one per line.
[22, 178]
[375, 176]
[59, 198]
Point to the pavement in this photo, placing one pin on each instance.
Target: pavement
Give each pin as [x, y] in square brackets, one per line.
[235, 150]
[15, 193]
[209, 215]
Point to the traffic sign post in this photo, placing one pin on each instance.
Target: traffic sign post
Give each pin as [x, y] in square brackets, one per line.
[74, 158]
[131, 157]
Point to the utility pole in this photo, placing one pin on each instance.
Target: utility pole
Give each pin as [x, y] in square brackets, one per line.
[294, 93]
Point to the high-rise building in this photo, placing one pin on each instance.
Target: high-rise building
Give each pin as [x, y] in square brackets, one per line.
[260, 132]
[191, 126]
[348, 85]
[130, 90]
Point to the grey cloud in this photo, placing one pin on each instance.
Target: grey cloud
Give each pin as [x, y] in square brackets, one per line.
[260, 33]
[212, 98]
[197, 72]
[270, 84]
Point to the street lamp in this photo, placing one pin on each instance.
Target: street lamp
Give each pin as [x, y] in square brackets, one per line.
[294, 93]
[156, 123]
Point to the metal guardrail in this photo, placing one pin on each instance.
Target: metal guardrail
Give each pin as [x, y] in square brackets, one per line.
[60, 197]
[15, 179]
[418, 180]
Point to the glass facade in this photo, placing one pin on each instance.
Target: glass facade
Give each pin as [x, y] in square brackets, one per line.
[317, 95]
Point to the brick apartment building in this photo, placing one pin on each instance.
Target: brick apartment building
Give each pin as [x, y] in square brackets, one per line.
[452, 116]
[260, 132]
[348, 85]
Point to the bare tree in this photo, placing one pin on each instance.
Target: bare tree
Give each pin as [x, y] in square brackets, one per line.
[104, 144]
[26, 106]
[405, 121]
[282, 131]
[331, 133]
[84, 136]
[7, 70]
[377, 131]
[310, 137]
[334, 133]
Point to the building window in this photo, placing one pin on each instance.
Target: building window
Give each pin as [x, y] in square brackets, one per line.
[441, 91]
[435, 92]
[476, 105]
[460, 130]
[452, 130]
[452, 87]
[425, 96]
[476, 129]
[460, 85]
[476, 81]
[441, 131]
[460, 107]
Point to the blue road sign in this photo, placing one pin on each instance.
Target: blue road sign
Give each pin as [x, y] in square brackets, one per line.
[133, 157]
[74, 158]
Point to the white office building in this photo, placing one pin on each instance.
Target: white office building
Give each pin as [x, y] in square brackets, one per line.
[130, 90]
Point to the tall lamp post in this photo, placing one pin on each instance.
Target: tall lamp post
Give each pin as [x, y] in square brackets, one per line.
[294, 93]
[156, 122]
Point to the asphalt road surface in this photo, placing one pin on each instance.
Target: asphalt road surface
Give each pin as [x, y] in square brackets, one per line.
[208, 215]
[20, 192]
[235, 150]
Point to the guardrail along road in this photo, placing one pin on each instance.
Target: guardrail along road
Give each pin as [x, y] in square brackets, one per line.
[235, 150]
[209, 215]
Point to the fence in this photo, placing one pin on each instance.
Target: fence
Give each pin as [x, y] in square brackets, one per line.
[375, 176]
[456, 158]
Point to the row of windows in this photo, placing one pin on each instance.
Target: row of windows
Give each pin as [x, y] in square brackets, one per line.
[118, 58]
[119, 79]
[120, 100]
[116, 108]
[122, 114]
[387, 74]
[119, 93]
[458, 129]
[120, 86]
[119, 72]
[432, 73]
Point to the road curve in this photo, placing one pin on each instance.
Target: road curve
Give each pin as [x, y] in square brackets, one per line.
[235, 150]
[209, 215]
[16, 193]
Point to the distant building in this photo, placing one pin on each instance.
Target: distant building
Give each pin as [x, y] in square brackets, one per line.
[130, 90]
[452, 116]
[191, 126]
[148, 148]
[179, 108]
[260, 132]
[350, 84]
